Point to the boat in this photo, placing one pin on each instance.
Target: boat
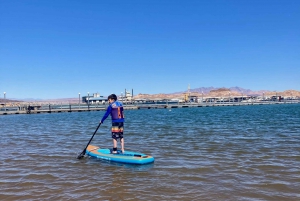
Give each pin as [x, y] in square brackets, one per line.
[126, 157]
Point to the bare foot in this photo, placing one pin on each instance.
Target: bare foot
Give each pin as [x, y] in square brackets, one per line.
[123, 151]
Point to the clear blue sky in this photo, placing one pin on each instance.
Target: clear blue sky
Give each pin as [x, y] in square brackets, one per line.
[58, 48]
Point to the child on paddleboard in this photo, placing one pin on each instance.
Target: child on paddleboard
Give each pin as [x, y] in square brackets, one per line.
[115, 110]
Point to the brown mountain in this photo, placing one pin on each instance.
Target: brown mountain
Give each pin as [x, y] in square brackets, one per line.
[219, 92]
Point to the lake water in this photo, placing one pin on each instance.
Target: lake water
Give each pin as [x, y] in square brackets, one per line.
[208, 153]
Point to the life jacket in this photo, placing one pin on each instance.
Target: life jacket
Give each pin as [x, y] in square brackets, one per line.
[117, 110]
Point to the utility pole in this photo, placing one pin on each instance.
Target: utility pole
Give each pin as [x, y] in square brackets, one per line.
[79, 100]
[189, 93]
[88, 100]
[4, 101]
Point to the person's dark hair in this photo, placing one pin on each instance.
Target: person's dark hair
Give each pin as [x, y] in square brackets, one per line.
[112, 96]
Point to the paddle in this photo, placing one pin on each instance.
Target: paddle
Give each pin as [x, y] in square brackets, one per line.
[80, 156]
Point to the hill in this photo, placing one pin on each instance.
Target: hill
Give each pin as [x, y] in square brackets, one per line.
[202, 91]
[220, 92]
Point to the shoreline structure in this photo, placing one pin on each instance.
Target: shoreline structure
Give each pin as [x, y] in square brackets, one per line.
[95, 102]
[60, 108]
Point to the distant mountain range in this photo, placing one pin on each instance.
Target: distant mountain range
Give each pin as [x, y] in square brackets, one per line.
[219, 92]
[208, 91]
[240, 90]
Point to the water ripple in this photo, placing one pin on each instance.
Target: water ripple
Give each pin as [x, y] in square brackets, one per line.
[213, 153]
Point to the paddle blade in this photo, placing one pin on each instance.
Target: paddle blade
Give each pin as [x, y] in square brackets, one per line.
[80, 156]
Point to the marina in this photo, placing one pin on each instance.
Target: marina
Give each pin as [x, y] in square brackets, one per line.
[62, 108]
[97, 102]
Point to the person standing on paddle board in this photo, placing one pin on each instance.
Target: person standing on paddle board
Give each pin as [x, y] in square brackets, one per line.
[115, 110]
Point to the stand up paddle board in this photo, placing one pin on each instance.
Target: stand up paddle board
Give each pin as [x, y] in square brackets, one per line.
[126, 157]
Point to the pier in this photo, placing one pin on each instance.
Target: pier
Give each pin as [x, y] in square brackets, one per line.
[55, 108]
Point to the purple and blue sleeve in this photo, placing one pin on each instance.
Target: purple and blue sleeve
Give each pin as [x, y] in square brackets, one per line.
[106, 114]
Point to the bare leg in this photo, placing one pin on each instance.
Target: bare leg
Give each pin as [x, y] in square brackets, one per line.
[115, 145]
[122, 145]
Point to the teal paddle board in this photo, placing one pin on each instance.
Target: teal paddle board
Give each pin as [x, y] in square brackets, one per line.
[126, 157]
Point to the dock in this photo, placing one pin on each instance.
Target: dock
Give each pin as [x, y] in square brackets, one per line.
[89, 108]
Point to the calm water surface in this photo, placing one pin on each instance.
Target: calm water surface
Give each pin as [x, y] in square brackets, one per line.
[213, 153]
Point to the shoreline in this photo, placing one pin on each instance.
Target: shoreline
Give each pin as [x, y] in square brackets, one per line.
[56, 108]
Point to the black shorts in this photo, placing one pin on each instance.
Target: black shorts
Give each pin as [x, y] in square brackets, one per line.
[117, 129]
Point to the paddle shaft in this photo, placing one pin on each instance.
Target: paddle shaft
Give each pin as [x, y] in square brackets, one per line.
[83, 152]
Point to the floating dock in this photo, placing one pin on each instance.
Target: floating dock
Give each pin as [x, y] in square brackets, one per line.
[85, 108]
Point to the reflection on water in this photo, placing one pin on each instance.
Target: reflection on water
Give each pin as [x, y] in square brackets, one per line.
[214, 153]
